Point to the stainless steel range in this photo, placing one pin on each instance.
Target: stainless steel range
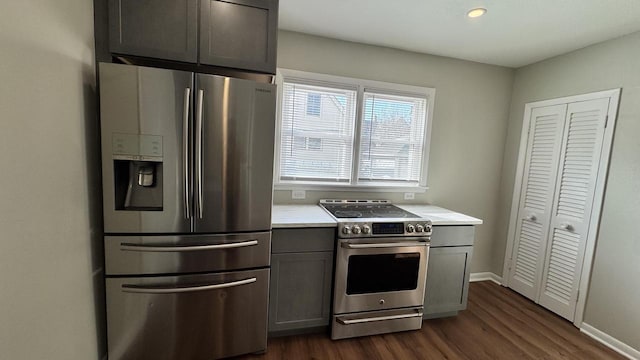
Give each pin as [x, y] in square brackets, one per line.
[381, 268]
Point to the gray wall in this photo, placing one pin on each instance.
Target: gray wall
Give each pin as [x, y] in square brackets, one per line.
[49, 216]
[469, 122]
[614, 294]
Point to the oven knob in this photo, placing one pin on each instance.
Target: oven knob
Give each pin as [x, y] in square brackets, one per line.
[410, 228]
[346, 230]
[366, 229]
[427, 228]
[356, 229]
[419, 228]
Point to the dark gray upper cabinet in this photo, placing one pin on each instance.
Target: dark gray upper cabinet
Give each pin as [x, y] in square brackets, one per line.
[239, 34]
[163, 29]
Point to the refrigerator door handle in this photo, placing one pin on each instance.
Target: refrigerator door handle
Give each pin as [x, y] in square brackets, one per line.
[151, 248]
[199, 153]
[164, 290]
[186, 168]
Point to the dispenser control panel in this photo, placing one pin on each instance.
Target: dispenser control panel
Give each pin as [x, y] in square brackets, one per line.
[137, 147]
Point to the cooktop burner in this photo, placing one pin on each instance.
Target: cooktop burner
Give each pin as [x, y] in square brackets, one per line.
[366, 210]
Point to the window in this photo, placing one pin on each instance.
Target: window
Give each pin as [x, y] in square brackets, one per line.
[350, 132]
[313, 104]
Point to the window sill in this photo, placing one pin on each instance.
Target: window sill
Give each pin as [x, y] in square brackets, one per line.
[355, 188]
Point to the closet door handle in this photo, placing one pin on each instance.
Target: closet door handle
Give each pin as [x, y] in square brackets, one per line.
[532, 217]
[567, 227]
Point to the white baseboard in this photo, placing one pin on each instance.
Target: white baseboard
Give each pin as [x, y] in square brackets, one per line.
[485, 276]
[611, 342]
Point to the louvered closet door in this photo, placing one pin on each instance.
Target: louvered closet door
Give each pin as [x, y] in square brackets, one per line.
[573, 200]
[538, 182]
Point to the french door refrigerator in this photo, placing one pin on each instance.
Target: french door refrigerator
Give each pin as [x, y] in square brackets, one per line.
[187, 163]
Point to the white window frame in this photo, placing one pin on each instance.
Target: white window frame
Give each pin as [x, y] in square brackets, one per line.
[360, 85]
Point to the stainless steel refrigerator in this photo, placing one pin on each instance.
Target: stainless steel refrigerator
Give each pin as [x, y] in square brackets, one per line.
[187, 163]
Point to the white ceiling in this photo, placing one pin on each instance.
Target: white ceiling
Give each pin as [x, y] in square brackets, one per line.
[512, 32]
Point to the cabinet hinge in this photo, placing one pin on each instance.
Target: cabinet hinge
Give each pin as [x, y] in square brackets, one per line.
[577, 295]
[606, 121]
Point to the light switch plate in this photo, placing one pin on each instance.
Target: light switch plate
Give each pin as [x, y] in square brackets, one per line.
[409, 196]
[298, 194]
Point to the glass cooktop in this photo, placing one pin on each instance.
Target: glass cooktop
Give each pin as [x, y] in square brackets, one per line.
[367, 210]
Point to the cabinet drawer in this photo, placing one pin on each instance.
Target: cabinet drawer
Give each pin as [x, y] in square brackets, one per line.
[303, 240]
[452, 235]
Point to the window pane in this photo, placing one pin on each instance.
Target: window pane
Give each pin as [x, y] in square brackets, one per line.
[313, 104]
[392, 138]
[316, 133]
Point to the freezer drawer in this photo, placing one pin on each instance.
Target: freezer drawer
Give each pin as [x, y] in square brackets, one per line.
[187, 317]
[138, 255]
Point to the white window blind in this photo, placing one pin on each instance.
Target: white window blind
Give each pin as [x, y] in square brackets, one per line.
[351, 132]
[317, 127]
[392, 138]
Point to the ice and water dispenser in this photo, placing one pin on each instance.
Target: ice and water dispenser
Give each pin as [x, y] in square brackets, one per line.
[137, 166]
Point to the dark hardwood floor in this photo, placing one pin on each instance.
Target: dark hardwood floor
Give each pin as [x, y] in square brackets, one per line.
[498, 324]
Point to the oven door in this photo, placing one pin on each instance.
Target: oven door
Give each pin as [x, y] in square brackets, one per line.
[380, 273]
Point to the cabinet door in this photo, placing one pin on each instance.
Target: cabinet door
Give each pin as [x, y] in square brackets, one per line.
[300, 293]
[447, 279]
[239, 34]
[164, 29]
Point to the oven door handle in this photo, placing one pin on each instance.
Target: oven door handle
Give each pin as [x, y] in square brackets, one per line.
[378, 318]
[384, 245]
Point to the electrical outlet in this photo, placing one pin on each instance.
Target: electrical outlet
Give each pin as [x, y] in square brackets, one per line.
[409, 196]
[298, 194]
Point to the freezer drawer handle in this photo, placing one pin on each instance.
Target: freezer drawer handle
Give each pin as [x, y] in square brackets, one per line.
[378, 318]
[383, 245]
[147, 248]
[155, 290]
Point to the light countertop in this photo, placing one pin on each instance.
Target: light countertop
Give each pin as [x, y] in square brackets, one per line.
[301, 216]
[441, 216]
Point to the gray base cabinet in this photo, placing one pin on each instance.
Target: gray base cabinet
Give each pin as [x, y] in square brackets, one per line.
[301, 278]
[448, 270]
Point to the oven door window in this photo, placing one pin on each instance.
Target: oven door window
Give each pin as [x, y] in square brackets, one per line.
[382, 273]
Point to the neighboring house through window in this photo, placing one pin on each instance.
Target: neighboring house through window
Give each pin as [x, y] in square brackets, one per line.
[314, 102]
[351, 132]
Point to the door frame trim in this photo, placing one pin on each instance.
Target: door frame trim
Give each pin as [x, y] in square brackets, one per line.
[601, 179]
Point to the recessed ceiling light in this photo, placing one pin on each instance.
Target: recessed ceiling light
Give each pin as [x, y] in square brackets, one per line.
[477, 12]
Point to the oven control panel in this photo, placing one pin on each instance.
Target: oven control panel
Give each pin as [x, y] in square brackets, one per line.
[420, 227]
